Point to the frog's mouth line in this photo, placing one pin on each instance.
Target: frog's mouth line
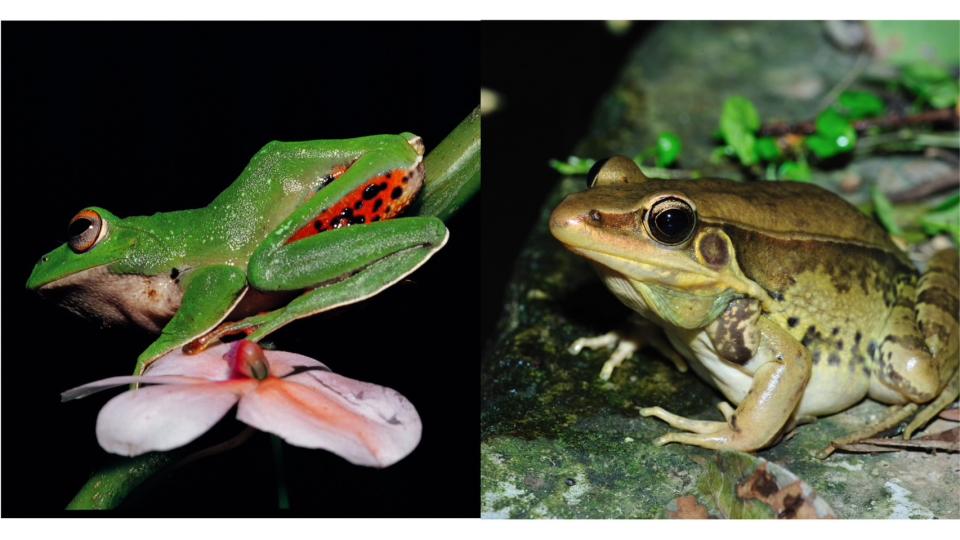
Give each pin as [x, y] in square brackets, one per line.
[687, 276]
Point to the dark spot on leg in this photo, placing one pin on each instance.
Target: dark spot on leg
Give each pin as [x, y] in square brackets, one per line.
[815, 357]
[318, 225]
[835, 331]
[395, 194]
[839, 344]
[856, 339]
[872, 349]
[833, 359]
[792, 322]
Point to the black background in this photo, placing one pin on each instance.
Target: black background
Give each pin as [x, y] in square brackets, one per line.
[551, 76]
[146, 117]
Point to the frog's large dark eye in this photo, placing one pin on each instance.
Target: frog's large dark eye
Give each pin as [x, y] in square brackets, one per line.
[614, 170]
[85, 230]
[671, 221]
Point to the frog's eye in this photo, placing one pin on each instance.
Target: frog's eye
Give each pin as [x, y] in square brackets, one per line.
[671, 221]
[614, 170]
[85, 230]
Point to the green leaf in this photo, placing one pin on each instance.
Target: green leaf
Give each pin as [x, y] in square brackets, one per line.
[738, 123]
[668, 149]
[858, 105]
[573, 166]
[767, 149]
[931, 83]
[944, 218]
[796, 171]
[835, 135]
[884, 211]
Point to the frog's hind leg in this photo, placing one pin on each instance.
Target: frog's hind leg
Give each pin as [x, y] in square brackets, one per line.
[919, 355]
[768, 406]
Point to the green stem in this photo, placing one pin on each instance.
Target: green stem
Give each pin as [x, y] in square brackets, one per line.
[283, 499]
[110, 485]
[452, 170]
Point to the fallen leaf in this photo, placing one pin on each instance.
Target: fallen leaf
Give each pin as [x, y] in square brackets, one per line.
[788, 502]
[689, 508]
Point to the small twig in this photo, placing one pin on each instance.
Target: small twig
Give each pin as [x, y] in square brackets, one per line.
[936, 116]
[863, 59]
[922, 191]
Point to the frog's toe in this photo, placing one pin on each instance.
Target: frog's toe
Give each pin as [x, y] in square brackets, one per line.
[679, 422]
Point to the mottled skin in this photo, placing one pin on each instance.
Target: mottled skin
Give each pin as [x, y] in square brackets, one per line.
[782, 295]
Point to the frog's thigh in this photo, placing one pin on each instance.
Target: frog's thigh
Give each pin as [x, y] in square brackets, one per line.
[209, 296]
[918, 354]
[318, 260]
[771, 401]
[360, 285]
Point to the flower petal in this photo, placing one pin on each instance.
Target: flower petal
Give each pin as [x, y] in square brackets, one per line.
[164, 417]
[207, 364]
[364, 423]
[113, 382]
[283, 363]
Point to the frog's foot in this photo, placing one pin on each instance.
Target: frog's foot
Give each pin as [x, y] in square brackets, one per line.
[245, 326]
[895, 415]
[704, 433]
[944, 400]
[625, 344]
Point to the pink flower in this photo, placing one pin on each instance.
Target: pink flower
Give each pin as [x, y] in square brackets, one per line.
[292, 396]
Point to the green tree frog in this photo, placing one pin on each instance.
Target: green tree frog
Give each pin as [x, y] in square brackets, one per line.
[307, 227]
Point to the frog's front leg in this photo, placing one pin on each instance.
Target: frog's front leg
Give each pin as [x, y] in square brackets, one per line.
[210, 293]
[625, 343]
[776, 389]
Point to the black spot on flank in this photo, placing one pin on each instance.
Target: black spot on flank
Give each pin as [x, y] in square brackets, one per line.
[174, 273]
[776, 296]
[833, 359]
[792, 322]
[372, 190]
[835, 331]
[375, 218]
[358, 220]
[809, 336]
[395, 194]
[347, 213]
[406, 179]
[815, 357]
[377, 204]
[839, 344]
[856, 339]
[358, 206]
[382, 186]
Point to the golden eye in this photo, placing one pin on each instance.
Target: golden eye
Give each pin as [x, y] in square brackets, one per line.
[671, 221]
[85, 230]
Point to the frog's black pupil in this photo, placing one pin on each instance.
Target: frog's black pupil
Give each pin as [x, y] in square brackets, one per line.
[673, 223]
[594, 171]
[78, 227]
